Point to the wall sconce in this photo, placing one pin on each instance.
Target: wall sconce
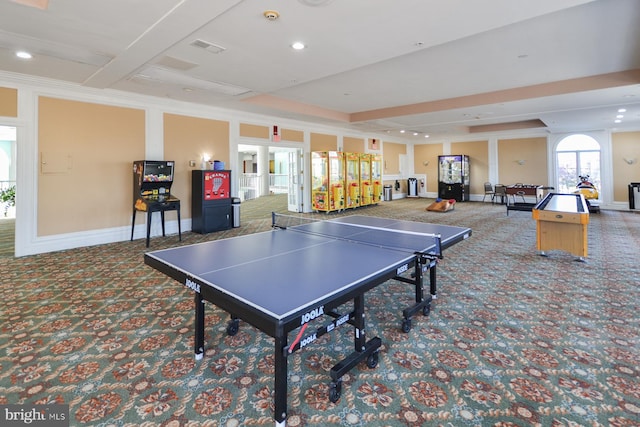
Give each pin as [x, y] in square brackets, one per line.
[521, 162]
[629, 161]
[205, 162]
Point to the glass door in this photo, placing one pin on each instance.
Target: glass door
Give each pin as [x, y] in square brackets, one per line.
[294, 199]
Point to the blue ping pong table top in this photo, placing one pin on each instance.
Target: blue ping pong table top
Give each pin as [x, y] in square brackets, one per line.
[284, 271]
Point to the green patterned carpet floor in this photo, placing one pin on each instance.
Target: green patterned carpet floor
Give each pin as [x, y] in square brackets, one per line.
[514, 339]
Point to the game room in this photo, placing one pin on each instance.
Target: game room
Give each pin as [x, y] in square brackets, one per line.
[427, 214]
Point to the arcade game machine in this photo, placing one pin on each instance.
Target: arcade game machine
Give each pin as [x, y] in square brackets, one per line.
[376, 177]
[366, 186]
[152, 182]
[453, 177]
[327, 181]
[352, 182]
[211, 208]
[590, 193]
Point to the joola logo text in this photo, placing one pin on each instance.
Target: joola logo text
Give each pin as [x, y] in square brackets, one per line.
[402, 269]
[192, 285]
[312, 315]
[308, 340]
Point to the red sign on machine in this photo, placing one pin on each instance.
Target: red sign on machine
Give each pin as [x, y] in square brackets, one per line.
[216, 185]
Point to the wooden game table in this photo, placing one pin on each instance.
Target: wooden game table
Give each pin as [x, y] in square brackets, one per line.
[561, 224]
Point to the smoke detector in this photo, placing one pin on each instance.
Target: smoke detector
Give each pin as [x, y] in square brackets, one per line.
[271, 15]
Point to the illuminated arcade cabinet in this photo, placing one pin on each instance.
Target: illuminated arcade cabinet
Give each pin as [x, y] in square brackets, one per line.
[152, 180]
[211, 204]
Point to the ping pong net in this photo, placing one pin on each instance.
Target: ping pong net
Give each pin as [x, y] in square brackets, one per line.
[297, 223]
[285, 221]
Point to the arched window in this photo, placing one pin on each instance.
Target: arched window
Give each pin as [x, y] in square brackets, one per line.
[577, 155]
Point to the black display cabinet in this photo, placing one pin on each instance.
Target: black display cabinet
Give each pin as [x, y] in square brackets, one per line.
[453, 177]
[152, 180]
[211, 208]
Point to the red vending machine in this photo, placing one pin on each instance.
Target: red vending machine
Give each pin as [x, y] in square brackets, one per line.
[211, 201]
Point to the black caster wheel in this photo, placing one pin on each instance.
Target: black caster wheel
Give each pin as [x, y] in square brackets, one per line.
[335, 390]
[232, 327]
[426, 310]
[372, 360]
[406, 325]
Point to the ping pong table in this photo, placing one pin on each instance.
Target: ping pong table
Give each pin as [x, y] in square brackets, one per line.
[290, 277]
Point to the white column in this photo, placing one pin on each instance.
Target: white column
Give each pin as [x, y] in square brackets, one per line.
[263, 170]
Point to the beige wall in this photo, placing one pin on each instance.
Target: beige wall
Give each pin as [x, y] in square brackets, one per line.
[85, 179]
[188, 138]
[8, 102]
[323, 142]
[254, 131]
[85, 152]
[353, 145]
[625, 145]
[391, 163]
[263, 132]
[478, 152]
[427, 153]
[292, 135]
[533, 151]
[391, 157]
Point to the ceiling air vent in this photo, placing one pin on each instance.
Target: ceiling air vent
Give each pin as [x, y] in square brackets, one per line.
[209, 47]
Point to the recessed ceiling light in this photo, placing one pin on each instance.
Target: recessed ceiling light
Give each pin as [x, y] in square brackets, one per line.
[426, 136]
[622, 110]
[617, 121]
[23, 54]
[298, 46]
[271, 15]
[619, 116]
[402, 131]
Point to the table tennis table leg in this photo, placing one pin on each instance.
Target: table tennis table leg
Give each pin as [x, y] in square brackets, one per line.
[432, 281]
[198, 342]
[422, 304]
[362, 350]
[280, 380]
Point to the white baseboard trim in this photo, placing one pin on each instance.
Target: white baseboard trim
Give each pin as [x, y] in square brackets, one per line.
[66, 241]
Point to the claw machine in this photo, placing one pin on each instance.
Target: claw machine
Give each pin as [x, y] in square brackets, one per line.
[327, 181]
[376, 177]
[453, 177]
[352, 180]
[366, 186]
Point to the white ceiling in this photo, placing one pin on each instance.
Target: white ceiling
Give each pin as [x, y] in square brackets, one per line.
[437, 67]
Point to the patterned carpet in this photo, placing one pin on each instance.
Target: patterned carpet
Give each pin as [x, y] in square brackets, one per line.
[514, 339]
[7, 230]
